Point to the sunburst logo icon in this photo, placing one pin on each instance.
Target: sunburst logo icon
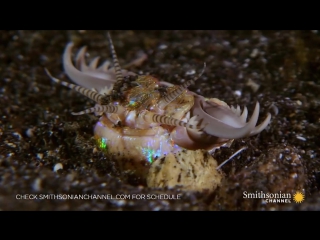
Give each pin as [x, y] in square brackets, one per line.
[298, 197]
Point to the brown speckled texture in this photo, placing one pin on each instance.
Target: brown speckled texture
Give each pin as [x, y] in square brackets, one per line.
[37, 130]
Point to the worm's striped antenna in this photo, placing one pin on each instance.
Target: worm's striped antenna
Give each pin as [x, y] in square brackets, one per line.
[162, 119]
[167, 99]
[84, 91]
[105, 109]
[117, 68]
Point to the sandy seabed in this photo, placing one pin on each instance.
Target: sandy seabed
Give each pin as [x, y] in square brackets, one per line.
[37, 130]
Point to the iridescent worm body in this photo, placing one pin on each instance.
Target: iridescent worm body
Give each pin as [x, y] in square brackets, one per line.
[144, 119]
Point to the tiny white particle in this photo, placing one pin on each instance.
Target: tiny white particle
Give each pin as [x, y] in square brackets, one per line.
[254, 86]
[39, 155]
[238, 93]
[157, 208]
[301, 138]
[254, 53]
[121, 203]
[263, 39]
[226, 43]
[294, 175]
[11, 145]
[36, 185]
[162, 46]
[57, 167]
[29, 132]
[18, 135]
[228, 64]
[190, 72]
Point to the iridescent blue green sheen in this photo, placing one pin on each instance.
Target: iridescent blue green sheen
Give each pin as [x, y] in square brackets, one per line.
[132, 103]
[149, 154]
[153, 154]
[102, 142]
